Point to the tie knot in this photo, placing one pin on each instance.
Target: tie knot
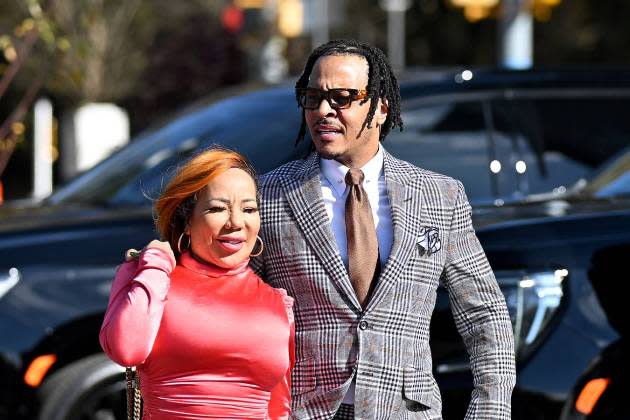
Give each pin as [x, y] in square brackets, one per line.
[354, 177]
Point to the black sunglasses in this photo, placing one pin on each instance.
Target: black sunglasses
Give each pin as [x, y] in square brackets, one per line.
[341, 98]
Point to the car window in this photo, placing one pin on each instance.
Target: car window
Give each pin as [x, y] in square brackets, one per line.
[505, 146]
[613, 179]
[511, 149]
[449, 139]
[574, 136]
[262, 126]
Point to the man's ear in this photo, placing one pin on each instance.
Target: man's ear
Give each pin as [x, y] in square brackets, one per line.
[382, 111]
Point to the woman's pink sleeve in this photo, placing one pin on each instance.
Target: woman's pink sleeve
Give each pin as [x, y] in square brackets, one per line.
[135, 308]
[280, 401]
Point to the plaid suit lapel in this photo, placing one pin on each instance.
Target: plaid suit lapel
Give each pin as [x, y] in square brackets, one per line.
[304, 195]
[404, 202]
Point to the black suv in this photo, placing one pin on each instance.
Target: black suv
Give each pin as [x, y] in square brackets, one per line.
[544, 158]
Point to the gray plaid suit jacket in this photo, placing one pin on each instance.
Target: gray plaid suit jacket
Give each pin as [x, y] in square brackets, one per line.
[385, 345]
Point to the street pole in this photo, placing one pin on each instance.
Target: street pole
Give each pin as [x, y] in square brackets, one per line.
[516, 28]
[42, 149]
[396, 10]
[321, 30]
[396, 39]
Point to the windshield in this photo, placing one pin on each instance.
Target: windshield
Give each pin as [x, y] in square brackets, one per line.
[612, 180]
[505, 146]
[263, 121]
[520, 147]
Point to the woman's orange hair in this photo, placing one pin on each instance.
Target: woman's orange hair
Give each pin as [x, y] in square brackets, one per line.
[174, 206]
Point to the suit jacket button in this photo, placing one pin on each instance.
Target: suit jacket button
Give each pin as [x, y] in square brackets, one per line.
[363, 325]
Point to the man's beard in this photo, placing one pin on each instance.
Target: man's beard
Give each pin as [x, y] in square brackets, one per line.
[328, 155]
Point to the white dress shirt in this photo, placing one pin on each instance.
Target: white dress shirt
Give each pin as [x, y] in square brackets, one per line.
[335, 191]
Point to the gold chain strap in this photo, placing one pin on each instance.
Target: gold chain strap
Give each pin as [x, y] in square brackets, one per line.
[134, 397]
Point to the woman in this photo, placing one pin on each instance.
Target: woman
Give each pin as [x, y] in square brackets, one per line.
[209, 337]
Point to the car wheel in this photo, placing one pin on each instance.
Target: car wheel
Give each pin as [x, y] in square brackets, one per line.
[92, 388]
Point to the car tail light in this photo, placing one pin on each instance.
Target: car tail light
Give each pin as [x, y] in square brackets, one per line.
[590, 394]
[37, 369]
[532, 299]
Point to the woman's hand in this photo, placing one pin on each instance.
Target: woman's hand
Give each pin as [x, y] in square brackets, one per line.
[162, 245]
[133, 254]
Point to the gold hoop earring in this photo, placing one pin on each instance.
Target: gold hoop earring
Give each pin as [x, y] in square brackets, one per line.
[262, 247]
[179, 243]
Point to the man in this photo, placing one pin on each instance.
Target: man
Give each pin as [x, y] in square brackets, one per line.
[361, 240]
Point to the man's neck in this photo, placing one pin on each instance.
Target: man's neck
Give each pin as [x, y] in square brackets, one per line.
[357, 161]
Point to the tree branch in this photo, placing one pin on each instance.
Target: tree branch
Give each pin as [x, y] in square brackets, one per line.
[18, 115]
[22, 54]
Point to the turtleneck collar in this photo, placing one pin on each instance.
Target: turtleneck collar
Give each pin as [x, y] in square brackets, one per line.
[211, 270]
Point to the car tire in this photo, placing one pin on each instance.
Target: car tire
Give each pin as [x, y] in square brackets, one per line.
[91, 388]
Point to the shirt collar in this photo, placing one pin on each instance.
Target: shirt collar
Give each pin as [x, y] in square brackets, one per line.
[335, 172]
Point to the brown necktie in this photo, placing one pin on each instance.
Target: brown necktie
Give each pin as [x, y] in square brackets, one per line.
[363, 261]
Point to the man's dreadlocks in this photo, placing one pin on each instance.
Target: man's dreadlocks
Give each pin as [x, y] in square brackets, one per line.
[381, 81]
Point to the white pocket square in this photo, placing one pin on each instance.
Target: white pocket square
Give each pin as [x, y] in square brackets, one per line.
[429, 240]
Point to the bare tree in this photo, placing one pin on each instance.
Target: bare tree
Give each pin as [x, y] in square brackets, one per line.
[17, 49]
[106, 54]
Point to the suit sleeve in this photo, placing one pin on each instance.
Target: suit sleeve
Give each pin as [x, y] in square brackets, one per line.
[280, 401]
[481, 317]
[135, 308]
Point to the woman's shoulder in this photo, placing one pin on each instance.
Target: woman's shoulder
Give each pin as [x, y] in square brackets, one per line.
[284, 296]
[287, 302]
[277, 293]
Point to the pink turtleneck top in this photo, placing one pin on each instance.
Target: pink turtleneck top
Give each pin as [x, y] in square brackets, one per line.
[208, 342]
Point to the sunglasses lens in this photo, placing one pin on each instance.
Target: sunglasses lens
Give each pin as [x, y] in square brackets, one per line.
[311, 99]
[337, 98]
[340, 98]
